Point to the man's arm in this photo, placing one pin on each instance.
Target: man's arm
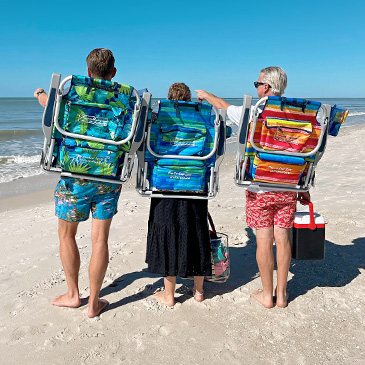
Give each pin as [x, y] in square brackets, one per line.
[212, 99]
[42, 97]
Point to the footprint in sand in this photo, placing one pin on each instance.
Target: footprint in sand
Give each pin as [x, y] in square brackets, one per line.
[25, 331]
[164, 331]
[63, 337]
[156, 306]
[139, 339]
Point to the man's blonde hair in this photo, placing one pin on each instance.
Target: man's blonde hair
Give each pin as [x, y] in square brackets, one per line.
[276, 78]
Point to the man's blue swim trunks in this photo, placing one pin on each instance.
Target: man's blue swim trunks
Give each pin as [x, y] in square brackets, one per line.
[75, 198]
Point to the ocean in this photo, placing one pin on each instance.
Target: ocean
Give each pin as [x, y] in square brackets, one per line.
[21, 136]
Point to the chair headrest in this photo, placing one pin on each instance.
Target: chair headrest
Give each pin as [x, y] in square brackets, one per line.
[293, 105]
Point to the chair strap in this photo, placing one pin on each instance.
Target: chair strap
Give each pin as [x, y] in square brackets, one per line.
[189, 105]
[296, 103]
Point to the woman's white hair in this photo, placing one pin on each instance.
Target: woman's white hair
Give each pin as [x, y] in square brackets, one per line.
[276, 78]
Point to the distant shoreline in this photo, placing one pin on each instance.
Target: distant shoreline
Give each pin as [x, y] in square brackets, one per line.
[223, 97]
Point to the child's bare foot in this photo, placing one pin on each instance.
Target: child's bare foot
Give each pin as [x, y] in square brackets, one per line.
[281, 300]
[266, 300]
[165, 299]
[97, 309]
[199, 297]
[66, 300]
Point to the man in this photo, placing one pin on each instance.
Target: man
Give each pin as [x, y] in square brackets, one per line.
[276, 209]
[74, 199]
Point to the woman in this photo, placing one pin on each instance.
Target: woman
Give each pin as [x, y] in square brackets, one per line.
[178, 241]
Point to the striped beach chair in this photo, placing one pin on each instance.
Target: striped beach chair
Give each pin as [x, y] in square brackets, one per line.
[281, 140]
[93, 129]
[182, 151]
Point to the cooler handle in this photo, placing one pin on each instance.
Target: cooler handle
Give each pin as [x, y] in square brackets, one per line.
[312, 224]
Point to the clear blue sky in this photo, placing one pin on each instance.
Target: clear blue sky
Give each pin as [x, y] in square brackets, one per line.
[217, 46]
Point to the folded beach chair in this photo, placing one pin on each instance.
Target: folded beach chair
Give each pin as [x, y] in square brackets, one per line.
[338, 116]
[93, 129]
[281, 140]
[182, 151]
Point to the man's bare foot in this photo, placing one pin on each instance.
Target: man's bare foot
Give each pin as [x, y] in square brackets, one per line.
[266, 301]
[66, 300]
[199, 297]
[281, 300]
[163, 298]
[95, 311]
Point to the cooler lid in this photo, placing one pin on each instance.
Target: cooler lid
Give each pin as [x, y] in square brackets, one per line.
[304, 218]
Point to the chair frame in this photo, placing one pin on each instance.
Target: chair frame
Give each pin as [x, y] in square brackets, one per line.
[50, 120]
[218, 149]
[242, 159]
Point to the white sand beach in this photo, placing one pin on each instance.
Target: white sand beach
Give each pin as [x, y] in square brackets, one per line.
[324, 322]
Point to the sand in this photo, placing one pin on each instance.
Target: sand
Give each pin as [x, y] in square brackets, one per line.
[323, 323]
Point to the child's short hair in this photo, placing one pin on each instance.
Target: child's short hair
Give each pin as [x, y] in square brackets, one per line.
[179, 91]
[100, 62]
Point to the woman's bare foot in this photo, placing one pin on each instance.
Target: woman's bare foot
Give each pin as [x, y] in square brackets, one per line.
[162, 297]
[66, 300]
[96, 310]
[199, 297]
[266, 300]
[281, 300]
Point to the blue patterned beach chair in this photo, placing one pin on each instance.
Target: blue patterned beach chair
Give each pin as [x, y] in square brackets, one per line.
[281, 140]
[93, 129]
[182, 151]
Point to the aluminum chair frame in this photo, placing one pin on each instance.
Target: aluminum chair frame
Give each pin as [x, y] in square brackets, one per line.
[242, 159]
[50, 120]
[218, 149]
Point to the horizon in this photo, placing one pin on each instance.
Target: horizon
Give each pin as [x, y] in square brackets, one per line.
[223, 97]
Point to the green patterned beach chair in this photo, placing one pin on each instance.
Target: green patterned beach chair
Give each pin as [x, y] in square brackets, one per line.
[182, 151]
[93, 129]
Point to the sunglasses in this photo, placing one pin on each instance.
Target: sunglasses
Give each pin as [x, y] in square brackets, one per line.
[257, 84]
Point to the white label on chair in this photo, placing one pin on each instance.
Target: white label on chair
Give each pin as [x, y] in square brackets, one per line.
[93, 120]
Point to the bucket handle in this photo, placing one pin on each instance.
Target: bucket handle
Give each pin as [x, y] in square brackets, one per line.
[214, 232]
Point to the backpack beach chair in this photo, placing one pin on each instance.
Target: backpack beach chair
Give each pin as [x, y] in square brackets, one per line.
[93, 129]
[182, 151]
[283, 143]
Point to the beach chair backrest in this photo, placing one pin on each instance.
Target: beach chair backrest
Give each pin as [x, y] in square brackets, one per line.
[182, 128]
[97, 108]
[282, 142]
[289, 125]
[94, 125]
[181, 147]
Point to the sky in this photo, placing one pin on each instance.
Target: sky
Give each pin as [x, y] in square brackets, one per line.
[217, 46]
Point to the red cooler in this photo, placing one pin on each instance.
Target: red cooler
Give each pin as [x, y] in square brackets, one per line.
[307, 236]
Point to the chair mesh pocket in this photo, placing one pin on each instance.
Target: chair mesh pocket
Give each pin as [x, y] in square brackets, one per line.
[178, 140]
[96, 120]
[89, 161]
[278, 169]
[179, 176]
